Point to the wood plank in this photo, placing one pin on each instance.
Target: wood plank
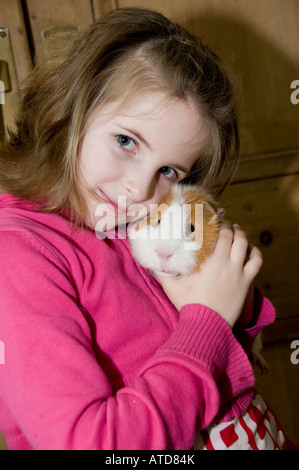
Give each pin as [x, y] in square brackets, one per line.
[268, 211]
[47, 15]
[14, 56]
[282, 329]
[102, 7]
[9, 80]
[271, 164]
[11, 17]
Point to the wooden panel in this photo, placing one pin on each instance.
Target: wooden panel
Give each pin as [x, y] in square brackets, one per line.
[260, 40]
[61, 14]
[268, 210]
[9, 81]
[282, 329]
[101, 7]
[11, 17]
[272, 164]
[280, 387]
[15, 61]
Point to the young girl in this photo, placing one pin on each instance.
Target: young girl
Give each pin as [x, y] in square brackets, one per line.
[97, 356]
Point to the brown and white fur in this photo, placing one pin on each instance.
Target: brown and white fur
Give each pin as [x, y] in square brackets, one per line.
[179, 234]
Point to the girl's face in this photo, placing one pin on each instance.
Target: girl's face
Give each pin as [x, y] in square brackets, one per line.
[136, 155]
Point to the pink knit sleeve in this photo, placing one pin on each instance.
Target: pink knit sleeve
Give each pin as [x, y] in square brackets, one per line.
[57, 395]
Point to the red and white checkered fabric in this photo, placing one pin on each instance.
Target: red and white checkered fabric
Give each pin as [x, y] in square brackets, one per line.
[256, 429]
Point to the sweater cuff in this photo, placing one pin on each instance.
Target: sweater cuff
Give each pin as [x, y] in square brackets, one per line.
[264, 315]
[204, 338]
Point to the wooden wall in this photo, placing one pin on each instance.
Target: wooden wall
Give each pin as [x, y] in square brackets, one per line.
[259, 39]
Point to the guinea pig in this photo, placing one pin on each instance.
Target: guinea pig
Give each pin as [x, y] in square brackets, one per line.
[178, 234]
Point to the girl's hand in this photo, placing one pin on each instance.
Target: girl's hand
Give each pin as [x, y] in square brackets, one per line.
[223, 282]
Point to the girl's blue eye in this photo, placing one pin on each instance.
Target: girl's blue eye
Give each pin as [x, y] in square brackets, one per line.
[168, 172]
[126, 142]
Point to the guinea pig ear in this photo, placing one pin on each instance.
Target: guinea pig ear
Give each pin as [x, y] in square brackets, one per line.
[207, 207]
[218, 214]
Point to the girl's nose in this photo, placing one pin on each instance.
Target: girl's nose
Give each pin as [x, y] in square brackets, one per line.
[139, 189]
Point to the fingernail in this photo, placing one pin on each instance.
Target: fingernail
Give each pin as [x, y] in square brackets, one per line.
[236, 225]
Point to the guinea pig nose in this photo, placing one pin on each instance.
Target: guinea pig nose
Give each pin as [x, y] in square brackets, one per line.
[163, 256]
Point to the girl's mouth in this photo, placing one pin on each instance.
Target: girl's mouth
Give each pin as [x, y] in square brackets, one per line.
[116, 205]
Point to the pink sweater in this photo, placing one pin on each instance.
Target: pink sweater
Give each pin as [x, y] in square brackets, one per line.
[96, 356]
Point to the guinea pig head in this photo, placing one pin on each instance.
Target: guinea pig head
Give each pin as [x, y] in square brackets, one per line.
[178, 234]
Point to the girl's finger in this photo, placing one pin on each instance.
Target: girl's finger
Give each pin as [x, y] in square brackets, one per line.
[224, 242]
[254, 264]
[240, 246]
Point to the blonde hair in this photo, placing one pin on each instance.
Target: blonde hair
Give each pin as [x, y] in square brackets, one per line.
[126, 53]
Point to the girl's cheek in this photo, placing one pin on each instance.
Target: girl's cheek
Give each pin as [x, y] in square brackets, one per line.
[112, 162]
